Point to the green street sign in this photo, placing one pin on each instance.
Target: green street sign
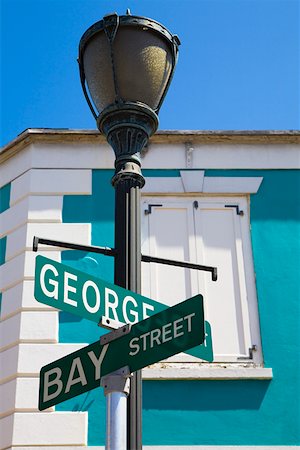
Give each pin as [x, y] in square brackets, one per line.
[89, 297]
[171, 331]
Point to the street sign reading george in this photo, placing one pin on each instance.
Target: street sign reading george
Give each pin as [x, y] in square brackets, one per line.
[90, 297]
[171, 331]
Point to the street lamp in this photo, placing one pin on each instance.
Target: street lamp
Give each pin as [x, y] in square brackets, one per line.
[126, 66]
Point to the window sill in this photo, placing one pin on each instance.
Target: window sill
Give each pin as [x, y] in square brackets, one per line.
[190, 371]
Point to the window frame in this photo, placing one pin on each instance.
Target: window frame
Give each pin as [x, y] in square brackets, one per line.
[175, 187]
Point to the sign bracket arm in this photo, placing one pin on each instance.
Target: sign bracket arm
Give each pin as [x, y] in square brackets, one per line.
[86, 248]
[185, 264]
[112, 252]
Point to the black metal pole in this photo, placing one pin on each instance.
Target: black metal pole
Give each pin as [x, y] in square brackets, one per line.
[127, 128]
[127, 274]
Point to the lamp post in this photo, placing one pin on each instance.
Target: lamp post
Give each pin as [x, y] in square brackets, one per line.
[126, 66]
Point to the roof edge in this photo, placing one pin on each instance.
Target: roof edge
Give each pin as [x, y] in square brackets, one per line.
[51, 135]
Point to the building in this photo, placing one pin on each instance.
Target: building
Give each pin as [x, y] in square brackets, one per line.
[224, 199]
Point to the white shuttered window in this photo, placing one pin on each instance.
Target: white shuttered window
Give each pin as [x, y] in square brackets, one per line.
[211, 231]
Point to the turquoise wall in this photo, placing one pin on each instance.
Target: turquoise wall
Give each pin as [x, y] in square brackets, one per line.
[250, 412]
[2, 250]
[4, 205]
[4, 197]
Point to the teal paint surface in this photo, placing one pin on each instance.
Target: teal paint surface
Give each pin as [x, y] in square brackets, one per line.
[4, 197]
[2, 250]
[97, 209]
[243, 412]
[4, 205]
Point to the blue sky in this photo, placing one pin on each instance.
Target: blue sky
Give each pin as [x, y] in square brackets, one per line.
[238, 66]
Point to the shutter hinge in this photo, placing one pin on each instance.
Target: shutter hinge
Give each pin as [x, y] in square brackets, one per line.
[250, 356]
[149, 209]
[238, 210]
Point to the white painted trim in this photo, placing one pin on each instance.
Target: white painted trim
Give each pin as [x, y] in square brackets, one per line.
[21, 239]
[170, 185]
[160, 155]
[20, 298]
[231, 185]
[29, 327]
[185, 372]
[222, 156]
[39, 209]
[27, 428]
[22, 267]
[62, 155]
[246, 156]
[51, 182]
[194, 182]
[16, 166]
[19, 395]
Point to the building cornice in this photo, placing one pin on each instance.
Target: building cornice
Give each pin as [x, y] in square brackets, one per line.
[52, 135]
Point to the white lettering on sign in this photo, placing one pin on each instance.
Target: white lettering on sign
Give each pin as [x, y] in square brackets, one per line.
[166, 332]
[92, 309]
[189, 321]
[178, 327]
[155, 335]
[88, 296]
[111, 305]
[129, 299]
[69, 288]
[159, 336]
[144, 337]
[134, 346]
[147, 307]
[97, 362]
[76, 375]
[56, 381]
[134, 312]
[76, 364]
[54, 283]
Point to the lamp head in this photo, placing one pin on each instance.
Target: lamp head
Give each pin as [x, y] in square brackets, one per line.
[126, 66]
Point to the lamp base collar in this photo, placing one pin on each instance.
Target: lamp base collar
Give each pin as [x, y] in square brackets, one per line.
[127, 127]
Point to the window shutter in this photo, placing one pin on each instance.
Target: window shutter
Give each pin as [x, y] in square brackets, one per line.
[169, 233]
[205, 231]
[219, 243]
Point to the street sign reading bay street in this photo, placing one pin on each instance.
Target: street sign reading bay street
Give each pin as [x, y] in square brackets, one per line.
[171, 331]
